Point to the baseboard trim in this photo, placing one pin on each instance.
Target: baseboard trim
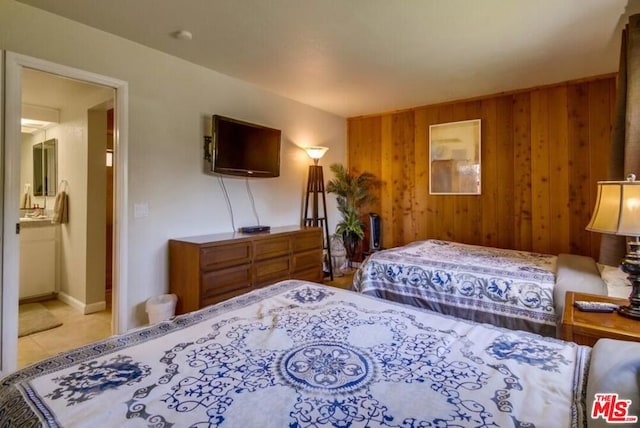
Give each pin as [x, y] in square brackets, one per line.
[39, 298]
[80, 306]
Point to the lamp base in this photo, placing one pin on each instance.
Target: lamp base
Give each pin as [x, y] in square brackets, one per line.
[631, 265]
[629, 311]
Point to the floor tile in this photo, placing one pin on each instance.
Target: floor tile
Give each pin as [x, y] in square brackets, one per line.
[76, 330]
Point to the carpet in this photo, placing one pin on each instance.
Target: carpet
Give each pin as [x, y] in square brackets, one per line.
[35, 317]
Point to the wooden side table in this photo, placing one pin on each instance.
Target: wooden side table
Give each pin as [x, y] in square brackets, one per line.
[585, 328]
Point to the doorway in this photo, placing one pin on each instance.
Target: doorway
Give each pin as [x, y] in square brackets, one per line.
[65, 136]
[15, 66]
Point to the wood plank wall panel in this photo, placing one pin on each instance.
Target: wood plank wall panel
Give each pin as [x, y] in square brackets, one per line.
[559, 236]
[402, 170]
[540, 171]
[366, 136]
[491, 204]
[543, 150]
[505, 163]
[522, 223]
[389, 233]
[601, 112]
[579, 177]
[420, 204]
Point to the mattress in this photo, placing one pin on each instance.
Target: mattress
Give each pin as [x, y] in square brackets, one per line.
[300, 354]
[507, 288]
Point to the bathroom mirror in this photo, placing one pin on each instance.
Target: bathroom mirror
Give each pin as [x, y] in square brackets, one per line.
[45, 165]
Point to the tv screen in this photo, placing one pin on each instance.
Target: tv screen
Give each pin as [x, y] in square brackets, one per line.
[245, 149]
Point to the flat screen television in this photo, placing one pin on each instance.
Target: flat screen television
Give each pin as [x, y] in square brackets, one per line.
[243, 149]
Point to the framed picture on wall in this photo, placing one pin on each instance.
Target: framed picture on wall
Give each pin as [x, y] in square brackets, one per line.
[454, 158]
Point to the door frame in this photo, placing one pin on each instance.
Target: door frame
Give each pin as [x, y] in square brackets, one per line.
[10, 182]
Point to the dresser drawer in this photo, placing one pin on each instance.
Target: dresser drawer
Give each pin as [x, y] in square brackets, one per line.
[271, 271]
[313, 275]
[219, 257]
[269, 248]
[224, 281]
[307, 260]
[307, 241]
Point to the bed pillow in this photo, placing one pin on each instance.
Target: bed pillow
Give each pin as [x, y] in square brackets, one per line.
[614, 368]
[576, 273]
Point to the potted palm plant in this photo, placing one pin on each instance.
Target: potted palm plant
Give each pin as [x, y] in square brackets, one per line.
[353, 193]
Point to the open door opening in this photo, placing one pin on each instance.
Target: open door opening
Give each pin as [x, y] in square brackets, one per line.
[106, 118]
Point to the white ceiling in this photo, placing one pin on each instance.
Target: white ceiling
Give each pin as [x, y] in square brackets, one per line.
[355, 57]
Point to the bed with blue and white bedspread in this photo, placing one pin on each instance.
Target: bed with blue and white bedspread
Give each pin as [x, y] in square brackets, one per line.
[300, 354]
[507, 288]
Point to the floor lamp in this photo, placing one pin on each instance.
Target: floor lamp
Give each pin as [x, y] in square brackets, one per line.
[315, 188]
[617, 212]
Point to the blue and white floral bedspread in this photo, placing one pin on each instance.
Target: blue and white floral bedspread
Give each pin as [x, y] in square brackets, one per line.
[507, 288]
[300, 354]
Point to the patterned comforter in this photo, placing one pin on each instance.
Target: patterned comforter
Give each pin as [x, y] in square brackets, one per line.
[507, 288]
[300, 354]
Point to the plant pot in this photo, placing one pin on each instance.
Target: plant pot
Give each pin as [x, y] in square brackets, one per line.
[351, 242]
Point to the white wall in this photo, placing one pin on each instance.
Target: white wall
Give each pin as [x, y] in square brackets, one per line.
[169, 100]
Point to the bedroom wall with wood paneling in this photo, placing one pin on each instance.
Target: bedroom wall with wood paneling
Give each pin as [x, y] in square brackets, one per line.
[543, 150]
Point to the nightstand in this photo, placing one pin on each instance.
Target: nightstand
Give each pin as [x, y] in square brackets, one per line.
[585, 328]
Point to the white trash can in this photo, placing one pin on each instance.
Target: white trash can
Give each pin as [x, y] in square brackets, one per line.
[161, 307]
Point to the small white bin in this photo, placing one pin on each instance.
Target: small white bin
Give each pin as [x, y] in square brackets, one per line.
[160, 308]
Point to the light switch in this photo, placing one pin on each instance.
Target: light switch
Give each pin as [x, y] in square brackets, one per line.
[141, 209]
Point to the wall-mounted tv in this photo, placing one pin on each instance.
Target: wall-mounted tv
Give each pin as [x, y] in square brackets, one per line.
[243, 149]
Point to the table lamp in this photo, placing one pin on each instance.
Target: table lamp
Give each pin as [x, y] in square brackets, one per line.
[617, 212]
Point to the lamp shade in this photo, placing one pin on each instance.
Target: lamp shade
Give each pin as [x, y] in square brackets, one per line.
[316, 152]
[617, 209]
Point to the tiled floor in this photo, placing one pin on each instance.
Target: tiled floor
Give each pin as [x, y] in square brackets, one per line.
[76, 330]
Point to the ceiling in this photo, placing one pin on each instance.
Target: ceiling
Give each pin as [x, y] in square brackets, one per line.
[357, 57]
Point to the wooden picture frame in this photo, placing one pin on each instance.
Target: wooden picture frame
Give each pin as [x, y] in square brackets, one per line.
[454, 158]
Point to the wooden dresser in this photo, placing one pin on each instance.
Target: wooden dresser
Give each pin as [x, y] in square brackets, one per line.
[211, 268]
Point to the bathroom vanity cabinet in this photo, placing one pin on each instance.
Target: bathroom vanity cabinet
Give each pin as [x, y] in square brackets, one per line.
[38, 252]
[209, 269]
